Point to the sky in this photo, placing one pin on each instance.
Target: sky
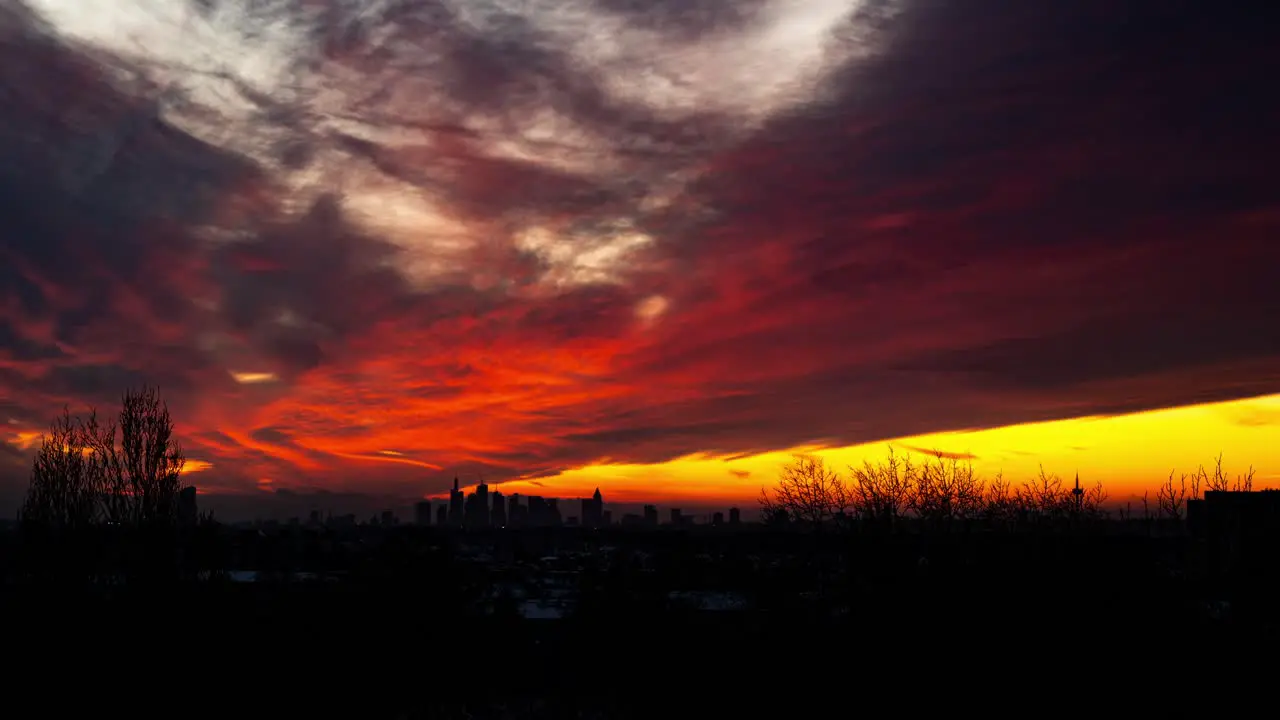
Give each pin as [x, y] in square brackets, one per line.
[651, 246]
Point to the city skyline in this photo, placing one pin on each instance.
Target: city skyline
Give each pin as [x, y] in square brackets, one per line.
[570, 244]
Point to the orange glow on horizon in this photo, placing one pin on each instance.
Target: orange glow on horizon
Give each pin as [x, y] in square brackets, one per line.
[1127, 453]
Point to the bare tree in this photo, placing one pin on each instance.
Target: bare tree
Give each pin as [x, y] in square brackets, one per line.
[63, 492]
[882, 492]
[807, 491]
[1094, 500]
[125, 474]
[1219, 481]
[1000, 503]
[1244, 483]
[1171, 497]
[143, 470]
[946, 490]
[1043, 497]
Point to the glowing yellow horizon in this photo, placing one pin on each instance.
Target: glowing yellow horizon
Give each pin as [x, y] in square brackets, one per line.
[1127, 453]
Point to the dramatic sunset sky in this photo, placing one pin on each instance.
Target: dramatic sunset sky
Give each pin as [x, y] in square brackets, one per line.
[364, 246]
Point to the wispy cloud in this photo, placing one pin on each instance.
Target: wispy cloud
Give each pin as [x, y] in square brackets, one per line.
[940, 453]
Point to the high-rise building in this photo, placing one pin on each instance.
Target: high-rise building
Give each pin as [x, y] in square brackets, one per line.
[422, 513]
[677, 517]
[187, 513]
[457, 505]
[538, 514]
[517, 514]
[593, 510]
[717, 519]
[478, 508]
[735, 517]
[442, 515]
[651, 515]
[553, 512]
[498, 517]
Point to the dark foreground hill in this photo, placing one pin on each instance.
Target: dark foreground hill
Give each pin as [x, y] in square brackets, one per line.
[426, 625]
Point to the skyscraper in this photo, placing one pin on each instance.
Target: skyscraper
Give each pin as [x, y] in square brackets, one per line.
[498, 518]
[516, 513]
[651, 515]
[593, 510]
[735, 517]
[456, 505]
[422, 513]
[538, 515]
[442, 515]
[187, 513]
[478, 508]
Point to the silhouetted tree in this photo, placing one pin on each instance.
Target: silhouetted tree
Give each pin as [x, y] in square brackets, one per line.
[1044, 498]
[808, 491]
[1171, 497]
[1000, 505]
[945, 490]
[126, 474]
[1220, 481]
[142, 471]
[1094, 499]
[882, 492]
[65, 482]
[814, 495]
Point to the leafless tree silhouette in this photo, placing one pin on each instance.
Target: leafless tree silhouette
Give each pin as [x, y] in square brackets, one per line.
[1043, 498]
[1171, 497]
[944, 490]
[63, 492]
[1000, 505]
[882, 492]
[1094, 500]
[807, 491]
[1221, 482]
[125, 474]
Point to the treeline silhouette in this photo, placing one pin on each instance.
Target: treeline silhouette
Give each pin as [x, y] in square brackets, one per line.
[901, 576]
[944, 493]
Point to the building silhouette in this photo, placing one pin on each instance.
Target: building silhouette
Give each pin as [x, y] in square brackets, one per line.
[517, 514]
[538, 515]
[456, 505]
[735, 517]
[422, 513]
[187, 511]
[717, 519]
[593, 510]
[651, 516]
[1239, 531]
[442, 515]
[498, 516]
[677, 517]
